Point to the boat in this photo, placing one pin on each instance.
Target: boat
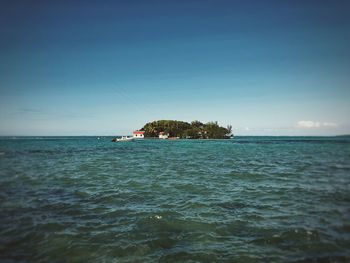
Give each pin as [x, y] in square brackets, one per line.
[123, 139]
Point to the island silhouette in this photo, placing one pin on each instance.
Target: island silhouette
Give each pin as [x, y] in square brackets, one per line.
[186, 130]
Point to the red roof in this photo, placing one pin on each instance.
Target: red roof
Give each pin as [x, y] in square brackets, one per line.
[138, 132]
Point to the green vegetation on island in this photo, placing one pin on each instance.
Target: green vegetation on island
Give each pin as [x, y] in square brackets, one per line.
[193, 130]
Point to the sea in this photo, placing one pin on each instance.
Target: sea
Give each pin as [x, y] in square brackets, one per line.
[247, 199]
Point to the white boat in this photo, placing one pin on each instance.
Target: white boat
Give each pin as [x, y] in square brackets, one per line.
[123, 139]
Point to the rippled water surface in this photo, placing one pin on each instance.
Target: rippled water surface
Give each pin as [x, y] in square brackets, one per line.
[250, 199]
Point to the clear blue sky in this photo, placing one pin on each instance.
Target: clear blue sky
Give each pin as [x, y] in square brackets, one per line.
[108, 67]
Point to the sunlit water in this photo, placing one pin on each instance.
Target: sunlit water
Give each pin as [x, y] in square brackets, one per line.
[250, 199]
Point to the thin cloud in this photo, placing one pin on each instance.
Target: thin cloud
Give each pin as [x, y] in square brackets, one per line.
[329, 124]
[315, 124]
[30, 110]
[38, 113]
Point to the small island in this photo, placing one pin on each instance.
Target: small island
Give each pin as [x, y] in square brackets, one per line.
[184, 130]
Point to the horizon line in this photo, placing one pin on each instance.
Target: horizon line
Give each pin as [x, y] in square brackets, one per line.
[266, 135]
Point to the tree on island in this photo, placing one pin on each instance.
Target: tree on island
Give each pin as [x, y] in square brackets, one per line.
[193, 130]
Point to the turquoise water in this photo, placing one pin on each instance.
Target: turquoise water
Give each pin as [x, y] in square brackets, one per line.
[250, 199]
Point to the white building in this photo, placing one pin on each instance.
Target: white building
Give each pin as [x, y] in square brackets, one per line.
[138, 134]
[163, 135]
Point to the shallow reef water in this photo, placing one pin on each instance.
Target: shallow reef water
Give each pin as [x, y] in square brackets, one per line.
[247, 199]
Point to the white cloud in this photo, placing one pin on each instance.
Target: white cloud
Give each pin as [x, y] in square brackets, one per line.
[330, 124]
[308, 124]
[314, 124]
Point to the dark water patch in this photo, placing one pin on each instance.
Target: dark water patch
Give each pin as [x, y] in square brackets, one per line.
[232, 206]
[344, 228]
[325, 259]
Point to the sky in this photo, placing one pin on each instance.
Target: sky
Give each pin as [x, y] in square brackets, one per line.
[109, 67]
